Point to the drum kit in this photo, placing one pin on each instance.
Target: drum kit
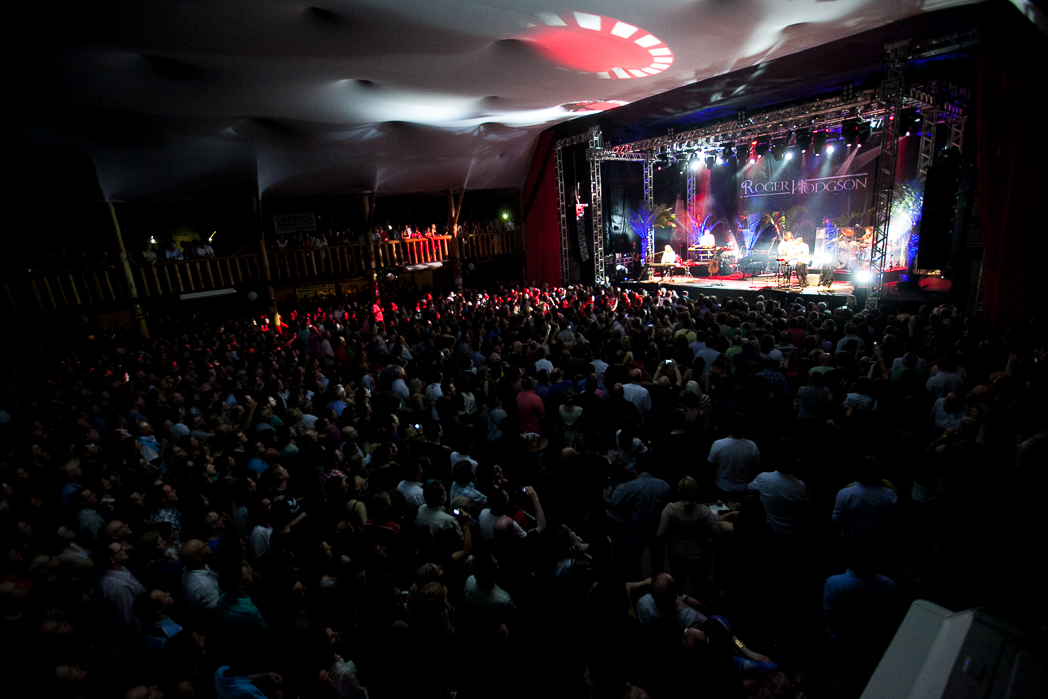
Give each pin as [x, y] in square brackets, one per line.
[852, 246]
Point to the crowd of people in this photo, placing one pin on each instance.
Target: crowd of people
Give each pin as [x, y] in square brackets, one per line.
[521, 492]
[384, 233]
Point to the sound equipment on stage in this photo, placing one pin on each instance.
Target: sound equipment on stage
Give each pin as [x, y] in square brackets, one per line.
[937, 217]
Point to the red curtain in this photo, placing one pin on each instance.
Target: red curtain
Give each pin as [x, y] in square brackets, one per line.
[1009, 139]
[541, 218]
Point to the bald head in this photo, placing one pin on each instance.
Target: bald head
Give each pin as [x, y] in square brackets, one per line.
[664, 590]
[194, 554]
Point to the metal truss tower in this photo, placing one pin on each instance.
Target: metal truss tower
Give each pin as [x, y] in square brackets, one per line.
[891, 96]
[649, 202]
[691, 197]
[596, 145]
[562, 204]
[562, 210]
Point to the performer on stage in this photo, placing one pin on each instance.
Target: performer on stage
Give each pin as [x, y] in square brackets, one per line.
[669, 256]
[707, 240]
[802, 254]
[826, 275]
[797, 255]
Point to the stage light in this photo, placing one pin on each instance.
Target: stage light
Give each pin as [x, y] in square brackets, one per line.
[829, 148]
[789, 155]
[761, 149]
[803, 139]
[850, 132]
[710, 161]
[752, 161]
[505, 216]
[778, 148]
[864, 132]
[863, 276]
[818, 141]
[696, 164]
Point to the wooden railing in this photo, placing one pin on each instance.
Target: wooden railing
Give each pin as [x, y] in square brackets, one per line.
[58, 290]
[196, 275]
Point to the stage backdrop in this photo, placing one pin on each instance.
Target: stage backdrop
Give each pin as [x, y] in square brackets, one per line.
[802, 194]
[736, 200]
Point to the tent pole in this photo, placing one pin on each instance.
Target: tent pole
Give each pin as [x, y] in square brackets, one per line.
[136, 308]
[264, 255]
[456, 253]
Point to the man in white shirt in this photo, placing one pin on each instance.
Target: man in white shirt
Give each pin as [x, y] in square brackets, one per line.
[784, 496]
[637, 394]
[411, 487]
[432, 513]
[203, 249]
[434, 392]
[199, 582]
[258, 541]
[486, 604]
[542, 363]
[735, 458]
[401, 390]
[172, 253]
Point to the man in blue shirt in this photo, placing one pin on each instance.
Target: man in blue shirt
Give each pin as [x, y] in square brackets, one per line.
[861, 608]
[866, 511]
[639, 502]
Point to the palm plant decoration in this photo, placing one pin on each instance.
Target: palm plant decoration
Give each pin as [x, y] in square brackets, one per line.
[645, 220]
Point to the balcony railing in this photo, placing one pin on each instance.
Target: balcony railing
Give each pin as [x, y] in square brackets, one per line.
[69, 289]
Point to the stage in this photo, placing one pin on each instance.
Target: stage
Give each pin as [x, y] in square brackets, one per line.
[768, 286]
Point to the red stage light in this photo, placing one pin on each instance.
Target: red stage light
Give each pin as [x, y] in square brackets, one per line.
[593, 105]
[592, 43]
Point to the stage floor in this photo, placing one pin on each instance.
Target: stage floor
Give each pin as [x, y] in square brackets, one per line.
[736, 285]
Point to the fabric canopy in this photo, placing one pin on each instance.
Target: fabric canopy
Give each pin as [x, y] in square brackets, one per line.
[175, 99]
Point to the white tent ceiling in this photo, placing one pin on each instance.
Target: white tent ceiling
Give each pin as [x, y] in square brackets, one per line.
[188, 98]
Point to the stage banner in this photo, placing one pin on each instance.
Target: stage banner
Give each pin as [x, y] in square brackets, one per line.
[284, 224]
[806, 194]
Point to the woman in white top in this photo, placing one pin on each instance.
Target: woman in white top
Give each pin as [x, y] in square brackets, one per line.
[571, 416]
[628, 445]
[687, 528]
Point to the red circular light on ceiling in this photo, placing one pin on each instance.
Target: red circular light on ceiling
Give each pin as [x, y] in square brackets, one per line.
[596, 44]
[593, 105]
